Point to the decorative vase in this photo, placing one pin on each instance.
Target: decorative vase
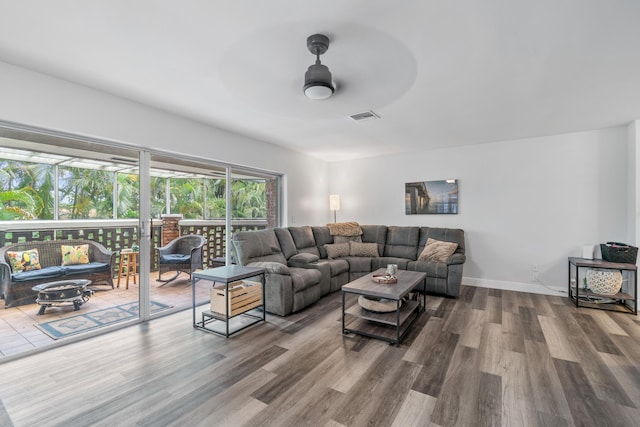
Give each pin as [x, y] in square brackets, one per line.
[606, 282]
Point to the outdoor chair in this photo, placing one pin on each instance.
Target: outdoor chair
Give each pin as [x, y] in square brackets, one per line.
[183, 254]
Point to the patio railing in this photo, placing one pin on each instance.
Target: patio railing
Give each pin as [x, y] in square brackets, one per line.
[116, 235]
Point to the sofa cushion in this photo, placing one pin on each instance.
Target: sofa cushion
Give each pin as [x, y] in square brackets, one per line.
[305, 258]
[175, 259]
[304, 240]
[437, 250]
[92, 267]
[287, 245]
[72, 255]
[322, 237]
[433, 269]
[445, 234]
[337, 250]
[359, 264]
[337, 266]
[43, 273]
[258, 245]
[363, 249]
[402, 242]
[304, 278]
[347, 239]
[24, 260]
[375, 234]
[382, 262]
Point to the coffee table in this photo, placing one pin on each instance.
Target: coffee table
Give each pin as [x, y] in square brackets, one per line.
[385, 326]
[63, 291]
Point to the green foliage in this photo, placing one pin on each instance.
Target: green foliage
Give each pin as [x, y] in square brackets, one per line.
[27, 192]
[20, 204]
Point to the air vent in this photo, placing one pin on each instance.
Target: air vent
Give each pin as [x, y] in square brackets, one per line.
[367, 115]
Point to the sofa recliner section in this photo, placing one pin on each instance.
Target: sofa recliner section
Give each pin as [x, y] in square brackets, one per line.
[299, 271]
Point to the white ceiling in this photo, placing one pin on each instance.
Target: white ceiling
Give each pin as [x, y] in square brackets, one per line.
[438, 72]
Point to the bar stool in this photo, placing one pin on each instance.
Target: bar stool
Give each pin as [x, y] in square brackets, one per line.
[128, 260]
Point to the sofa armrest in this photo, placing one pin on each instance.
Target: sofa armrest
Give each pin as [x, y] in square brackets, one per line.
[271, 267]
[456, 259]
[303, 260]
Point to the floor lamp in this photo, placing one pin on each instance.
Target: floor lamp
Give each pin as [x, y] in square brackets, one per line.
[334, 204]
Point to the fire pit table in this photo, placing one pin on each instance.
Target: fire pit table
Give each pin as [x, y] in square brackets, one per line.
[63, 291]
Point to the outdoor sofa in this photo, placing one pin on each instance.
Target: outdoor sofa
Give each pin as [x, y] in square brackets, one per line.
[15, 287]
[305, 263]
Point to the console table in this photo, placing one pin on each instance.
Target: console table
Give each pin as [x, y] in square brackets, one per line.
[225, 276]
[626, 300]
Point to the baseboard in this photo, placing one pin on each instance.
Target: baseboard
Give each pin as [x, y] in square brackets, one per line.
[535, 288]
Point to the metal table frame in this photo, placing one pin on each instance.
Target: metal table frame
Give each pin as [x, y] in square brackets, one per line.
[226, 275]
[410, 308]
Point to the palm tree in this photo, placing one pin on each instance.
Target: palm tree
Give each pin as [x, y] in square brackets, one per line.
[20, 204]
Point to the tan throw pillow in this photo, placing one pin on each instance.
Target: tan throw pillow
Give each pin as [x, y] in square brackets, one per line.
[437, 250]
[337, 250]
[72, 255]
[363, 249]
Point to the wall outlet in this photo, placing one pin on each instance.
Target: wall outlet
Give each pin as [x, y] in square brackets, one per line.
[293, 219]
[535, 269]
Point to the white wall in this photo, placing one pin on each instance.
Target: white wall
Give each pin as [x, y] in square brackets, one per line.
[38, 100]
[532, 201]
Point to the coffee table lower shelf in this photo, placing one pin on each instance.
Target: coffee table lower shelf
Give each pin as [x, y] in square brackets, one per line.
[390, 327]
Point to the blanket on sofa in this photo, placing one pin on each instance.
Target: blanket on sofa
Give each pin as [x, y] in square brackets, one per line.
[347, 229]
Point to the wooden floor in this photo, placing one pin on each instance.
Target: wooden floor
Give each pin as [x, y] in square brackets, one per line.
[489, 357]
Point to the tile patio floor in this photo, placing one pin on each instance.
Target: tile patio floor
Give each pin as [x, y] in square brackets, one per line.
[18, 332]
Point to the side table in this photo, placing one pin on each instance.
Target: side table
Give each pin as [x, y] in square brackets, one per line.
[625, 301]
[225, 276]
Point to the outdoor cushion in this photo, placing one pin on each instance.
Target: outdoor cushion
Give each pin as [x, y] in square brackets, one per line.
[85, 268]
[72, 255]
[24, 261]
[43, 273]
[175, 259]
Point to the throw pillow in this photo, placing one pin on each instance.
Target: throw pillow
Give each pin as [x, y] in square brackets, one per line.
[24, 261]
[72, 255]
[437, 250]
[363, 249]
[336, 250]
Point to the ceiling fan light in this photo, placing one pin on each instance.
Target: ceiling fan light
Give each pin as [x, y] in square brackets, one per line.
[317, 82]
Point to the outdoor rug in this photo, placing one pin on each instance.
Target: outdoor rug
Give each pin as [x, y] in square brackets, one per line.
[85, 322]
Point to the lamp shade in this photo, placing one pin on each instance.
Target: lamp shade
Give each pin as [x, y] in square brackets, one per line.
[317, 82]
[334, 202]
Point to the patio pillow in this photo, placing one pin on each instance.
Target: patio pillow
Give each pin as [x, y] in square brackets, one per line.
[337, 250]
[72, 255]
[363, 249]
[437, 250]
[24, 261]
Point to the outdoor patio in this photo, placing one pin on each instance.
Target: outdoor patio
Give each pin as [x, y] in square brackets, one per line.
[18, 331]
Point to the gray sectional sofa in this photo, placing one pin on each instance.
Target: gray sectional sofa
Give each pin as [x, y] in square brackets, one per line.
[300, 270]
